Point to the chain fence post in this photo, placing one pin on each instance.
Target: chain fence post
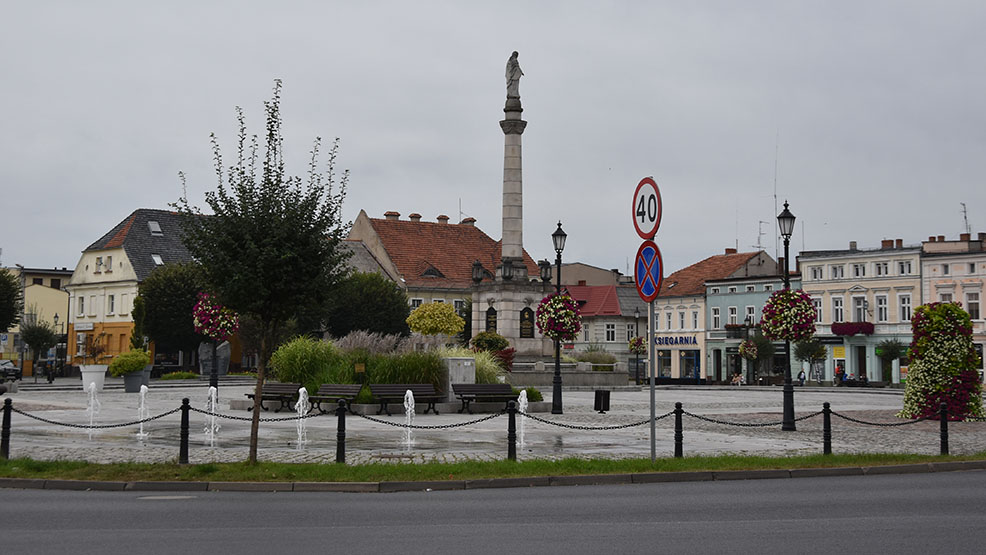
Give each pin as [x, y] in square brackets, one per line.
[679, 436]
[341, 432]
[826, 428]
[943, 415]
[512, 430]
[5, 434]
[183, 445]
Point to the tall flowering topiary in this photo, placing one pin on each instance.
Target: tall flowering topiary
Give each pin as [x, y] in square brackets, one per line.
[788, 314]
[214, 320]
[943, 365]
[558, 317]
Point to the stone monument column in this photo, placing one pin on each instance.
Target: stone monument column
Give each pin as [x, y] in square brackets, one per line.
[512, 247]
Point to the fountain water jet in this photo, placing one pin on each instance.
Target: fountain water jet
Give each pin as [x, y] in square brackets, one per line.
[408, 419]
[92, 409]
[212, 425]
[142, 413]
[522, 408]
[302, 407]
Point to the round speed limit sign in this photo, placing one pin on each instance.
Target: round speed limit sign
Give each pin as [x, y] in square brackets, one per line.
[647, 208]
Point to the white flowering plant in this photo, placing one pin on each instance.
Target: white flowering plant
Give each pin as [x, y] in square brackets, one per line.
[788, 314]
[558, 317]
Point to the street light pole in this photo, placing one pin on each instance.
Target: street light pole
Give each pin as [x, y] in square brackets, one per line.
[558, 240]
[785, 221]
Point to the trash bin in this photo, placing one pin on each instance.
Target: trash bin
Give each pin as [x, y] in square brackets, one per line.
[602, 401]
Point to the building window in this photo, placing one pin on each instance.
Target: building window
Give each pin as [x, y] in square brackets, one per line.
[438, 301]
[80, 344]
[110, 304]
[585, 333]
[837, 315]
[460, 306]
[882, 313]
[904, 303]
[158, 261]
[972, 268]
[715, 290]
[751, 314]
[124, 307]
[109, 264]
[751, 288]
[859, 270]
[610, 332]
[694, 319]
[817, 273]
[56, 283]
[37, 281]
[92, 305]
[882, 268]
[415, 303]
[972, 305]
[838, 272]
[99, 264]
[944, 269]
[768, 287]
[82, 306]
[681, 320]
[732, 289]
[904, 268]
[154, 228]
[669, 316]
[859, 309]
[817, 303]
[716, 318]
[631, 331]
[732, 315]
[945, 297]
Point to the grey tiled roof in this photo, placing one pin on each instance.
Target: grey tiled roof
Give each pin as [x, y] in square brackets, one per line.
[134, 235]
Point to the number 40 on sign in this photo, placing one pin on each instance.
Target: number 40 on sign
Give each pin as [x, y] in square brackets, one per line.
[647, 208]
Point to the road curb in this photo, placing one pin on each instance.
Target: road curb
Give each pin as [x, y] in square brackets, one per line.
[520, 482]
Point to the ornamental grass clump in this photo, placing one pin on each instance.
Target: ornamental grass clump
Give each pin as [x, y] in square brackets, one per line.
[558, 317]
[943, 366]
[788, 314]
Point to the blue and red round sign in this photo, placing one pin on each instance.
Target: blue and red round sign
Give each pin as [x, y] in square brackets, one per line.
[648, 271]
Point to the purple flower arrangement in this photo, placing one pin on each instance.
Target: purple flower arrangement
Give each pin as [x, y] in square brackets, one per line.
[748, 350]
[558, 317]
[214, 320]
[788, 314]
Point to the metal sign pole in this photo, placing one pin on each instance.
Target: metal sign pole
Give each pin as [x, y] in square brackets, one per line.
[653, 408]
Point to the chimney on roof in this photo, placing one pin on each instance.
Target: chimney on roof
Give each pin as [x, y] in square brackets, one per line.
[982, 237]
[965, 236]
[887, 244]
[852, 245]
[941, 238]
[899, 243]
[730, 251]
[468, 221]
[392, 215]
[931, 239]
[415, 217]
[581, 282]
[442, 219]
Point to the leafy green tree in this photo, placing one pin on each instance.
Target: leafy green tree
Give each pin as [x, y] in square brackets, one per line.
[765, 352]
[809, 351]
[271, 248]
[435, 319]
[138, 335]
[39, 336]
[368, 302]
[169, 294]
[11, 300]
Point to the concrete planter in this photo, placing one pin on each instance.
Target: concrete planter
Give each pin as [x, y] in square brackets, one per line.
[133, 381]
[93, 374]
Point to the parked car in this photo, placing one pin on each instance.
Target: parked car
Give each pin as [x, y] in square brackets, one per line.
[10, 371]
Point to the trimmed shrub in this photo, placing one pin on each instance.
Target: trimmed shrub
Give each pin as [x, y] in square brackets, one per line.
[131, 361]
[533, 395]
[490, 341]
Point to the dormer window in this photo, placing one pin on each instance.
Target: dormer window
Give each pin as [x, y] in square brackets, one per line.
[157, 259]
[155, 228]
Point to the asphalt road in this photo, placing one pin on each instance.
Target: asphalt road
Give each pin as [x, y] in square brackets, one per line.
[920, 513]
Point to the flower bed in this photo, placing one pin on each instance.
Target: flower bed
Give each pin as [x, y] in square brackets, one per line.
[852, 328]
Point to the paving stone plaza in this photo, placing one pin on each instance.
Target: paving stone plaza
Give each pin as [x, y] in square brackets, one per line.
[383, 439]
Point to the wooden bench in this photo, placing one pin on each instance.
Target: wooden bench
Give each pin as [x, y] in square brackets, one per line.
[469, 392]
[285, 393]
[331, 392]
[423, 393]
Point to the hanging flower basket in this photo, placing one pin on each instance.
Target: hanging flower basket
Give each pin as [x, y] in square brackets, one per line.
[558, 317]
[214, 320]
[748, 350]
[788, 314]
[638, 345]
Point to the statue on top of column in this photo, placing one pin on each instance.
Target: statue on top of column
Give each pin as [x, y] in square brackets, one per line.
[513, 76]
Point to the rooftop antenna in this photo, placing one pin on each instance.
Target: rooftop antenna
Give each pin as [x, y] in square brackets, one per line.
[737, 230]
[759, 244]
[461, 213]
[777, 142]
[965, 218]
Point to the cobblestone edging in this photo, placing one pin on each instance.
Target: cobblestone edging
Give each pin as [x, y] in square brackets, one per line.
[389, 487]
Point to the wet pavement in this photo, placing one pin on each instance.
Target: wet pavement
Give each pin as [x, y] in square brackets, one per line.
[455, 437]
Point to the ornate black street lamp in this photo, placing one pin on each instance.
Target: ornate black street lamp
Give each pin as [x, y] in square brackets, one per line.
[785, 220]
[558, 239]
[545, 269]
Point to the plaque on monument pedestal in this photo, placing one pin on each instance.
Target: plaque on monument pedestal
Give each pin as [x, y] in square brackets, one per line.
[527, 323]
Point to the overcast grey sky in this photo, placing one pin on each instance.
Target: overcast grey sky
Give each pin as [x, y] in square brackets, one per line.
[873, 113]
